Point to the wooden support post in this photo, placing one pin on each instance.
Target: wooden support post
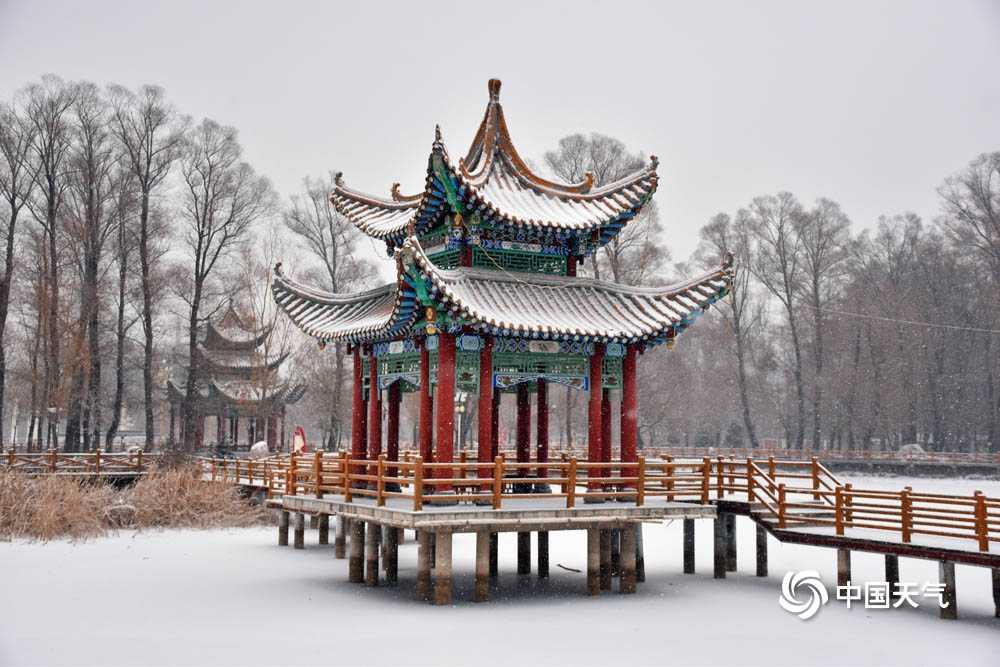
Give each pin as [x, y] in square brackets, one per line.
[627, 580]
[594, 416]
[339, 538]
[445, 444]
[300, 530]
[392, 556]
[283, 528]
[605, 560]
[324, 529]
[374, 415]
[482, 566]
[629, 412]
[426, 409]
[442, 567]
[606, 430]
[424, 565]
[949, 596]
[494, 555]
[542, 430]
[640, 557]
[761, 551]
[371, 554]
[542, 537]
[392, 434]
[313, 522]
[359, 437]
[593, 561]
[892, 574]
[730, 542]
[720, 534]
[356, 561]
[523, 430]
[485, 426]
[843, 567]
[616, 551]
[996, 591]
[688, 546]
[524, 553]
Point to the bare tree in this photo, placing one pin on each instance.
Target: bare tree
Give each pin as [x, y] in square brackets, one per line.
[151, 133]
[223, 197]
[777, 265]
[17, 178]
[332, 239]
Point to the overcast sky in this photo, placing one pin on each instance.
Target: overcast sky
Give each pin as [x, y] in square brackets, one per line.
[871, 104]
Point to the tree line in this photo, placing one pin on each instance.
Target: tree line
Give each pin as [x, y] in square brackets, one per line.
[128, 226]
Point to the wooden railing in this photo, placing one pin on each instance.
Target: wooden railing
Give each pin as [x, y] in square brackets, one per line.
[888, 456]
[97, 462]
[790, 494]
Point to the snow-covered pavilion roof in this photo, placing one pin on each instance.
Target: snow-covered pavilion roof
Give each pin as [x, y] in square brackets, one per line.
[495, 182]
[505, 303]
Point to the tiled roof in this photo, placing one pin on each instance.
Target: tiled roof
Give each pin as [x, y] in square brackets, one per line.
[221, 361]
[374, 314]
[495, 182]
[520, 304]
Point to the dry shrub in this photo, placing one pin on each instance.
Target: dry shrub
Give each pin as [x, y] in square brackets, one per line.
[52, 507]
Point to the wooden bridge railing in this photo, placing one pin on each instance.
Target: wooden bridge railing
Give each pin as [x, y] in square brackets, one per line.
[887, 456]
[97, 462]
[791, 493]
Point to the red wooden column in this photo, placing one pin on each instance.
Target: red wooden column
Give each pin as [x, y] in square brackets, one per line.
[357, 406]
[374, 410]
[392, 425]
[523, 438]
[606, 430]
[485, 408]
[630, 410]
[445, 445]
[426, 406]
[594, 411]
[495, 426]
[542, 428]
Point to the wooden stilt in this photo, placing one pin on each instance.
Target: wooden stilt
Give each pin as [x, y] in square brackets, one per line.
[494, 555]
[605, 560]
[340, 538]
[626, 581]
[392, 557]
[442, 568]
[524, 553]
[482, 566]
[424, 565]
[892, 574]
[300, 531]
[640, 558]
[283, 528]
[356, 562]
[371, 554]
[843, 567]
[313, 521]
[949, 596]
[720, 534]
[616, 551]
[542, 538]
[324, 529]
[593, 561]
[996, 591]
[688, 546]
[730, 542]
[761, 551]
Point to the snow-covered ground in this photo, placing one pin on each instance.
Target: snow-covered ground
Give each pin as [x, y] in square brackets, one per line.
[235, 597]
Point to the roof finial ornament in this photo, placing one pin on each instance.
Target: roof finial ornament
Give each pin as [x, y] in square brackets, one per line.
[727, 261]
[437, 133]
[338, 178]
[495, 90]
[277, 269]
[655, 160]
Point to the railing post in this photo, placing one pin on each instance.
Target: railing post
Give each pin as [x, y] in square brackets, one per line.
[839, 512]
[348, 469]
[213, 468]
[905, 510]
[750, 494]
[571, 484]
[343, 471]
[640, 491]
[418, 483]
[380, 481]
[848, 502]
[53, 460]
[293, 479]
[815, 474]
[770, 466]
[720, 479]
[10, 458]
[982, 527]
[706, 476]
[97, 462]
[497, 481]
[781, 506]
[319, 474]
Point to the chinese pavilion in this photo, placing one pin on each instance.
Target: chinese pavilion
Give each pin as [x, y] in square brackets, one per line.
[239, 379]
[487, 300]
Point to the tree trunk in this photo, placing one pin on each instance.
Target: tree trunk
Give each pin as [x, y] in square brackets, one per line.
[116, 409]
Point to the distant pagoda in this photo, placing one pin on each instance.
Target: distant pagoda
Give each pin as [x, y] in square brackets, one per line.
[239, 378]
[487, 300]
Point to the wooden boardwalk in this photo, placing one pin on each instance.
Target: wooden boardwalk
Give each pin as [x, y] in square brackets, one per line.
[97, 463]
[795, 501]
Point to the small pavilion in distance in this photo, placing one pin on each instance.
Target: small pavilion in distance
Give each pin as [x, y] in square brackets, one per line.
[487, 301]
[240, 380]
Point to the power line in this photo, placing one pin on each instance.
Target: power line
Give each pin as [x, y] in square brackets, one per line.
[899, 321]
